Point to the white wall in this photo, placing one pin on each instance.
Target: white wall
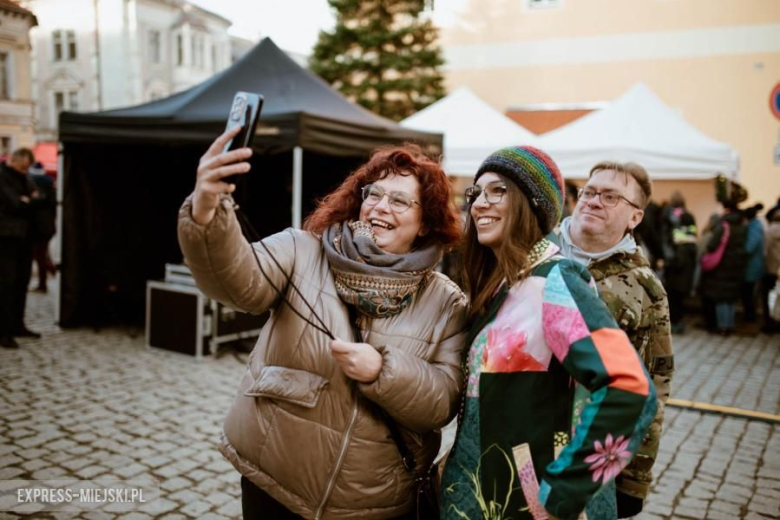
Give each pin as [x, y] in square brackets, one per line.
[112, 67]
[16, 110]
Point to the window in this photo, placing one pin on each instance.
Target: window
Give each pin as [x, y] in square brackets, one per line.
[59, 102]
[155, 52]
[65, 100]
[64, 45]
[4, 76]
[180, 49]
[71, 38]
[56, 39]
[214, 64]
[73, 100]
[63, 95]
[197, 45]
[543, 4]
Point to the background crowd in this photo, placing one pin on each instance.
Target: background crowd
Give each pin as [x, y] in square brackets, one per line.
[729, 263]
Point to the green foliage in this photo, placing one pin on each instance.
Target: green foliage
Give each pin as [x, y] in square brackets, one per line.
[491, 509]
[382, 55]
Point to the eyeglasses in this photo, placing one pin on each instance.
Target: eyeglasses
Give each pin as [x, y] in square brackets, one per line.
[607, 198]
[399, 201]
[494, 193]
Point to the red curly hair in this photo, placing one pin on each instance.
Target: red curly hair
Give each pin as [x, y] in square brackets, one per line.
[439, 217]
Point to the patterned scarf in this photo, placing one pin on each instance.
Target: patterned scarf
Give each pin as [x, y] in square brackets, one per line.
[379, 284]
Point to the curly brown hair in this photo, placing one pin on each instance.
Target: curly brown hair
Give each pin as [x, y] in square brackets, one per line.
[439, 215]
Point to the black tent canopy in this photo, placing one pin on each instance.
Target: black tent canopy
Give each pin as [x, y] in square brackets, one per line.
[125, 173]
[300, 110]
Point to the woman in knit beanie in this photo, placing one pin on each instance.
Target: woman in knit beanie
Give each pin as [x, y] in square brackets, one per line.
[531, 444]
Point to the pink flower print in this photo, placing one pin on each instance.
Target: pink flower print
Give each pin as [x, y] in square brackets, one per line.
[609, 459]
[505, 352]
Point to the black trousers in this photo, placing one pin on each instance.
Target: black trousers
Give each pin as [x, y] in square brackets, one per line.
[710, 318]
[676, 305]
[749, 301]
[15, 271]
[256, 504]
[40, 249]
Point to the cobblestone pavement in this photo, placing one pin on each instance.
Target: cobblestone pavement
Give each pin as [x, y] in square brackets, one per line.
[83, 404]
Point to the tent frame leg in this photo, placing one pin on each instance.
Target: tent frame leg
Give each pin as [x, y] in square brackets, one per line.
[297, 186]
[59, 227]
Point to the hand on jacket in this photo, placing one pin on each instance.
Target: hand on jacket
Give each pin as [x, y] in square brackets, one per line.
[213, 167]
[359, 361]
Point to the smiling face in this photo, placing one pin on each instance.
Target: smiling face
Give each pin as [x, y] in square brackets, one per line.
[490, 220]
[395, 232]
[596, 227]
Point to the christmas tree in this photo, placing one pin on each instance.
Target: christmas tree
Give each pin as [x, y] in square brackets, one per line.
[383, 55]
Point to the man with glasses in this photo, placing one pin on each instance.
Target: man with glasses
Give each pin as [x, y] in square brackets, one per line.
[599, 234]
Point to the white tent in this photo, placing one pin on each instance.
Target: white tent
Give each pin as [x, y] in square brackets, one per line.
[639, 127]
[472, 130]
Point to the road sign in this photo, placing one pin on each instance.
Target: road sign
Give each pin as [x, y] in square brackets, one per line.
[774, 101]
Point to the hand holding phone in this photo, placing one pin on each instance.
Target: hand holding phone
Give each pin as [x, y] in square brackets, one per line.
[244, 112]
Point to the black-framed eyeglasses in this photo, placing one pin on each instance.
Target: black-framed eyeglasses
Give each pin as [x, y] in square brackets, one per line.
[399, 200]
[607, 198]
[494, 193]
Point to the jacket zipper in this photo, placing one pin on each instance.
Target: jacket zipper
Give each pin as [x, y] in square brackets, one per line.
[339, 461]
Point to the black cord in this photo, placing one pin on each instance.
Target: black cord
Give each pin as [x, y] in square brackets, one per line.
[247, 230]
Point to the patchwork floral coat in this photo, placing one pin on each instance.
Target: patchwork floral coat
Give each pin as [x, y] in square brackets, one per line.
[556, 404]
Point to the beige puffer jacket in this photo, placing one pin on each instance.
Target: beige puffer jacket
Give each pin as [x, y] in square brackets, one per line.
[299, 428]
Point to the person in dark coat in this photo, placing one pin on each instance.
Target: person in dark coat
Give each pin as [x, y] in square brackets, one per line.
[680, 268]
[772, 268]
[648, 235]
[18, 199]
[707, 306]
[772, 211]
[43, 224]
[723, 285]
[754, 261]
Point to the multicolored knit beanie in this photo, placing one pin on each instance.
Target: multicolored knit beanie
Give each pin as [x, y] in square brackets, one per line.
[538, 177]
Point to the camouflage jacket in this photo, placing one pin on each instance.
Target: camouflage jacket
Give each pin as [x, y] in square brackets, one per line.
[638, 302]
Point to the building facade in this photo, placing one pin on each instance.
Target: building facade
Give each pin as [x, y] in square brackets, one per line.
[91, 55]
[716, 62]
[16, 100]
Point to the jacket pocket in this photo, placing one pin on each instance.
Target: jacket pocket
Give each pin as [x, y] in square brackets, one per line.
[288, 384]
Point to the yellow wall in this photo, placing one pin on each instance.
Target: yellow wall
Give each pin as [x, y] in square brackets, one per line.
[726, 96]
[510, 20]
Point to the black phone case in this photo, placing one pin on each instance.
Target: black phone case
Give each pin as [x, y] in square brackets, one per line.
[245, 112]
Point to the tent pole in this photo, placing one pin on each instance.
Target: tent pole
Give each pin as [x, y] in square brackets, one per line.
[58, 234]
[297, 186]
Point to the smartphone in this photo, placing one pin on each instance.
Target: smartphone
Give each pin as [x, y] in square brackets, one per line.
[244, 112]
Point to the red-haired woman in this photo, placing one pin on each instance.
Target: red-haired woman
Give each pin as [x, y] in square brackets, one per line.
[305, 430]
